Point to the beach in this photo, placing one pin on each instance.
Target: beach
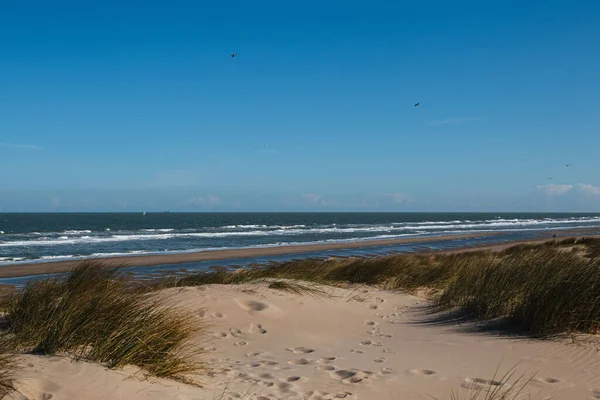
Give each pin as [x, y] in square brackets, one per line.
[352, 343]
[269, 337]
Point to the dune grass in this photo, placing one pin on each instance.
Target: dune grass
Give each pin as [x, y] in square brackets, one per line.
[296, 287]
[94, 313]
[8, 366]
[548, 288]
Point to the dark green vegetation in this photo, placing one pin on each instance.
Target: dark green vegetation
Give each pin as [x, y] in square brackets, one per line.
[95, 313]
[548, 288]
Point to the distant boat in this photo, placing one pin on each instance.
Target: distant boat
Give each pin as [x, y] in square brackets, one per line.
[144, 213]
[166, 211]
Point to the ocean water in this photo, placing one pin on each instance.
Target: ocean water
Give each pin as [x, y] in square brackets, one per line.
[35, 237]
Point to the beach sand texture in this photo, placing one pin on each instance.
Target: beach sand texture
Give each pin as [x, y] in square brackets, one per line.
[352, 343]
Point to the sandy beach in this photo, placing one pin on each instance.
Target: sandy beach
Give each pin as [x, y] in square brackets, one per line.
[352, 343]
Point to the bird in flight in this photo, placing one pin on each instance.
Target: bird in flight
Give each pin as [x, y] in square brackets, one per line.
[549, 178]
[417, 104]
[527, 160]
[569, 165]
[233, 55]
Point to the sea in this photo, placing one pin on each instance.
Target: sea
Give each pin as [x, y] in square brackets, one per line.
[45, 237]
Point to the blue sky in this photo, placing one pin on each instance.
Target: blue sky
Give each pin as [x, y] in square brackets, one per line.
[138, 105]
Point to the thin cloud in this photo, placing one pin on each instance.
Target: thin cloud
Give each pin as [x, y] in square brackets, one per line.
[317, 199]
[21, 146]
[589, 189]
[210, 200]
[456, 120]
[555, 190]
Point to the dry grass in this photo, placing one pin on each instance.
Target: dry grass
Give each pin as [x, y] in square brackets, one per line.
[296, 287]
[8, 366]
[544, 287]
[94, 313]
[505, 388]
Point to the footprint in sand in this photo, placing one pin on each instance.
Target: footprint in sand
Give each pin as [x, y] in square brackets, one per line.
[252, 305]
[253, 354]
[236, 332]
[386, 371]
[370, 323]
[267, 376]
[271, 363]
[548, 380]
[218, 315]
[326, 368]
[300, 361]
[221, 335]
[369, 343]
[258, 328]
[300, 350]
[379, 359]
[293, 379]
[385, 335]
[241, 343]
[388, 350]
[357, 351]
[326, 360]
[351, 375]
[319, 395]
[596, 394]
[422, 371]
[284, 387]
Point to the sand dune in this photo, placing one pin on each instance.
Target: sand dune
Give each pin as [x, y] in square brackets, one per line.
[358, 343]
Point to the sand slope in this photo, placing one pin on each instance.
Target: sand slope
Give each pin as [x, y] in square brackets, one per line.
[350, 343]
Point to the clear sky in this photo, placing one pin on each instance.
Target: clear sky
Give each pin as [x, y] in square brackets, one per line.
[122, 105]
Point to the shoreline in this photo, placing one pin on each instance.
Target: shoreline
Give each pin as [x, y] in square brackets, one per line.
[51, 267]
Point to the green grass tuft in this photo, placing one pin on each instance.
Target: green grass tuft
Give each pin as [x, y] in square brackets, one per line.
[296, 287]
[549, 288]
[94, 313]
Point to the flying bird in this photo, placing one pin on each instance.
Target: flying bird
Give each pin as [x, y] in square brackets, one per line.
[569, 165]
[417, 104]
[233, 55]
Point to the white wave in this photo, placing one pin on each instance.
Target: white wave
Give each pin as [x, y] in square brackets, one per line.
[498, 224]
[261, 226]
[12, 258]
[242, 226]
[1, 232]
[76, 232]
[159, 230]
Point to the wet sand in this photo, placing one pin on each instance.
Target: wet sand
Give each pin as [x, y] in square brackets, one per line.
[19, 270]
